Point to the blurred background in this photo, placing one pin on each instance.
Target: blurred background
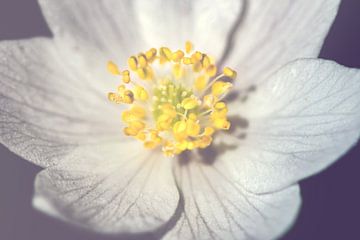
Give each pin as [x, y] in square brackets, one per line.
[331, 199]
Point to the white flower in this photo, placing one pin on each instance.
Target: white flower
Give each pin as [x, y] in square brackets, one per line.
[297, 116]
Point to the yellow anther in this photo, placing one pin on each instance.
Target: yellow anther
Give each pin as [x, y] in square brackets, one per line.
[209, 100]
[168, 109]
[130, 131]
[125, 76]
[178, 71]
[205, 141]
[128, 97]
[150, 144]
[138, 125]
[121, 89]
[229, 72]
[154, 134]
[192, 128]
[211, 70]
[140, 93]
[112, 97]
[181, 145]
[208, 131]
[206, 61]
[220, 105]
[219, 113]
[138, 111]
[132, 62]
[164, 122]
[221, 123]
[189, 103]
[165, 53]
[142, 62]
[151, 54]
[177, 56]
[127, 117]
[179, 127]
[191, 145]
[188, 47]
[220, 87]
[197, 67]
[113, 68]
[196, 57]
[141, 136]
[149, 73]
[200, 83]
[155, 137]
[187, 61]
[142, 73]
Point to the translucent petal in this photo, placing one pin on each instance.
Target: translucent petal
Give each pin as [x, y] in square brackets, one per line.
[300, 121]
[109, 188]
[273, 33]
[49, 101]
[216, 206]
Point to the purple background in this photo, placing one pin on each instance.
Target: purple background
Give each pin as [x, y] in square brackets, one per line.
[330, 200]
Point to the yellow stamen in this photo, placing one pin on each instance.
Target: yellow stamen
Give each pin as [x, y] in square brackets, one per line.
[151, 55]
[220, 87]
[211, 70]
[229, 72]
[113, 68]
[132, 62]
[189, 103]
[188, 47]
[177, 56]
[166, 53]
[140, 93]
[126, 76]
[181, 108]
[200, 83]
[142, 61]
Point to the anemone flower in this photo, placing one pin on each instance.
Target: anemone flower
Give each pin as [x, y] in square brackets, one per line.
[204, 134]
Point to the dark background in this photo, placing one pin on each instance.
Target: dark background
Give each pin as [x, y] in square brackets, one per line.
[331, 199]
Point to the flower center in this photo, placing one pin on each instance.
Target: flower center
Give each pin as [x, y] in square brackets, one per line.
[174, 98]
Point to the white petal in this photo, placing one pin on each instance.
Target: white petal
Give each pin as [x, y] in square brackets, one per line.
[217, 207]
[276, 32]
[109, 27]
[103, 30]
[49, 102]
[171, 23]
[300, 121]
[111, 188]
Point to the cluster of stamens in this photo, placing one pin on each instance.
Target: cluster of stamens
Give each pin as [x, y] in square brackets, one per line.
[174, 97]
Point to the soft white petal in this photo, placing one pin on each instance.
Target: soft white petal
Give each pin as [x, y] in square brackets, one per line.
[95, 27]
[123, 28]
[49, 103]
[218, 207]
[274, 32]
[110, 188]
[171, 23]
[300, 121]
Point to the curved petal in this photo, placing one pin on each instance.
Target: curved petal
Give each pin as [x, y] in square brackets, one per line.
[107, 27]
[300, 121]
[171, 23]
[111, 188]
[217, 207]
[276, 32]
[123, 28]
[49, 102]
